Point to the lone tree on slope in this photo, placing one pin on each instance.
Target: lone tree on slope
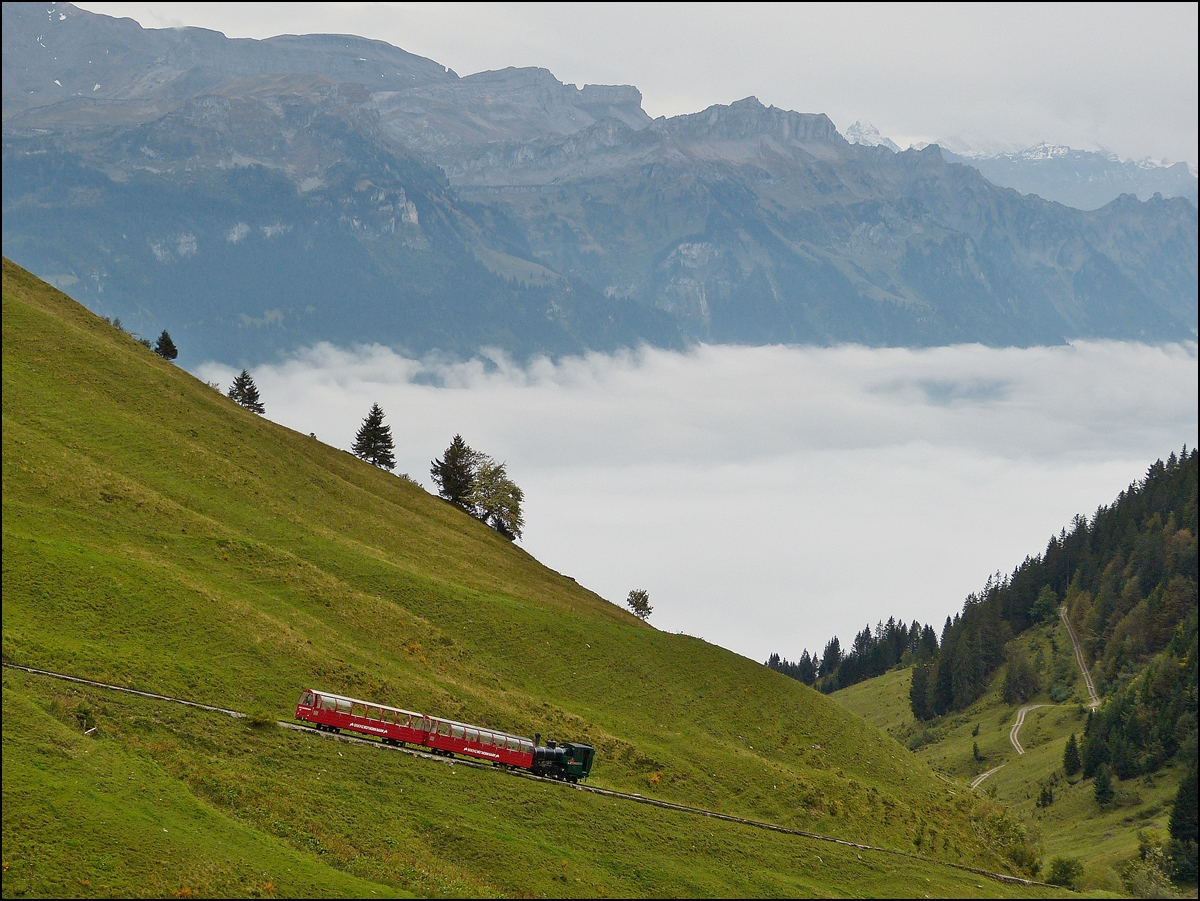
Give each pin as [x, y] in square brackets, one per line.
[639, 602]
[165, 347]
[245, 392]
[373, 442]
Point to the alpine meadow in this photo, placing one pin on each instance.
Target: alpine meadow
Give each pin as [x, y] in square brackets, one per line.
[159, 536]
[621, 470]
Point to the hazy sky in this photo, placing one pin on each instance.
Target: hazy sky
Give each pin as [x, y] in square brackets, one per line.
[770, 497]
[1117, 76]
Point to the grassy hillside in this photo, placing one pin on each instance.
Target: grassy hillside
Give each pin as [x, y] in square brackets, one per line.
[1104, 840]
[158, 536]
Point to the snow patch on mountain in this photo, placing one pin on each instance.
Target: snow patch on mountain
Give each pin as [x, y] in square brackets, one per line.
[867, 134]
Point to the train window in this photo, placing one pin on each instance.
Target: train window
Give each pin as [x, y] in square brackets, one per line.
[527, 746]
[358, 710]
[373, 713]
[456, 731]
[306, 699]
[343, 706]
[472, 735]
[443, 728]
[514, 744]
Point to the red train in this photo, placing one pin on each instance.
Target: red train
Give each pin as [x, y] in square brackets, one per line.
[332, 713]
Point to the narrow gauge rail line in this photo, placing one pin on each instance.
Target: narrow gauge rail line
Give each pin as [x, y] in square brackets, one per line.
[481, 765]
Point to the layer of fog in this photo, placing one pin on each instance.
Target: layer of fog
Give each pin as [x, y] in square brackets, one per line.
[768, 498]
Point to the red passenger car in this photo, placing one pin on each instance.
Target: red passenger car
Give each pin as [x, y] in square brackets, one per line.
[333, 713]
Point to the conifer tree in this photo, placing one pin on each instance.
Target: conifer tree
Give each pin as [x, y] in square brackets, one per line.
[454, 473]
[1071, 761]
[165, 347]
[245, 392]
[1104, 786]
[373, 442]
[831, 659]
[918, 692]
[1183, 827]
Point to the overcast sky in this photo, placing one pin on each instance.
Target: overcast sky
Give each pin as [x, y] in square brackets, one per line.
[1122, 77]
[771, 497]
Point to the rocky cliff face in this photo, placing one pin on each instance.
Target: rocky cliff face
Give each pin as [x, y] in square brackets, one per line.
[256, 195]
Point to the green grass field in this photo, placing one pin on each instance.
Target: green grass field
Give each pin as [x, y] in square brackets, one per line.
[160, 537]
[1074, 825]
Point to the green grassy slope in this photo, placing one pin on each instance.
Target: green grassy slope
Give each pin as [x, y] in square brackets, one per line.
[1074, 825]
[158, 536]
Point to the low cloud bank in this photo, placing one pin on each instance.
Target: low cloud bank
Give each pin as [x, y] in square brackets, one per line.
[771, 497]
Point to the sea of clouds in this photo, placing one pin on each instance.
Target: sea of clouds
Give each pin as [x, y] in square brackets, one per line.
[771, 497]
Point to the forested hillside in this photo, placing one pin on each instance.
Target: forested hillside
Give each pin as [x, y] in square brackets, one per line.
[1002, 702]
[1127, 577]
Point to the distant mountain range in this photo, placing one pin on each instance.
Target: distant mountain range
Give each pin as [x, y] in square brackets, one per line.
[1083, 179]
[255, 196]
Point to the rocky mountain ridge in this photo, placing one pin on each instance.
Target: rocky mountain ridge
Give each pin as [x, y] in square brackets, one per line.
[255, 196]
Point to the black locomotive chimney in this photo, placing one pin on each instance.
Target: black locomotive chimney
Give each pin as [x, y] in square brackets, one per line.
[537, 739]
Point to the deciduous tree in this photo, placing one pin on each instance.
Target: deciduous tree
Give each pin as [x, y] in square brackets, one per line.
[639, 602]
[1021, 680]
[496, 499]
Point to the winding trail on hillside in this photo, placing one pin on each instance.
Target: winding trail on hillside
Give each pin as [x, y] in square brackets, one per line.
[978, 780]
[591, 789]
[1093, 701]
[1016, 727]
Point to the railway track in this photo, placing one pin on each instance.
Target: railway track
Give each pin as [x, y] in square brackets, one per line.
[520, 774]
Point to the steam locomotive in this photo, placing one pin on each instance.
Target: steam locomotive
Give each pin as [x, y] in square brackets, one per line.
[567, 761]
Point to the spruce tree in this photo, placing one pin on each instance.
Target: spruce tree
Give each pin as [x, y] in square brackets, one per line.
[165, 347]
[918, 692]
[1183, 828]
[1104, 786]
[454, 473]
[245, 392]
[1071, 761]
[373, 442]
